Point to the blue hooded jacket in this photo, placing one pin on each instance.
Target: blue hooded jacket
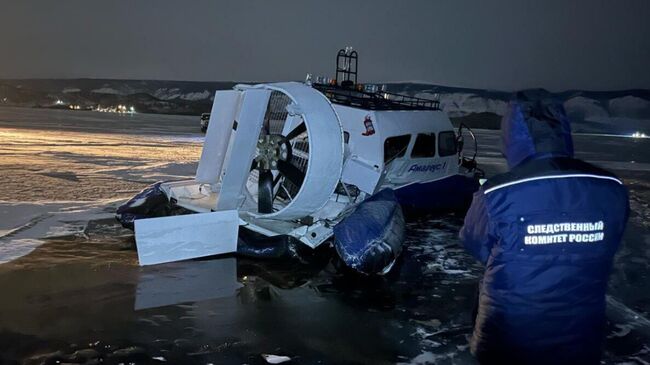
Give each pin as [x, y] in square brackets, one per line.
[547, 232]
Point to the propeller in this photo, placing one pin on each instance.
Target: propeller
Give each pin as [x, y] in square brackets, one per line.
[265, 191]
[286, 168]
[275, 154]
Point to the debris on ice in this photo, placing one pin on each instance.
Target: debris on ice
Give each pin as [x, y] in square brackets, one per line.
[275, 359]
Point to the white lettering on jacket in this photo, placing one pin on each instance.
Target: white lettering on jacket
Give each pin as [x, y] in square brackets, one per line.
[567, 232]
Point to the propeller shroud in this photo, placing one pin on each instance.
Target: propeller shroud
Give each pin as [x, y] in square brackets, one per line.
[293, 173]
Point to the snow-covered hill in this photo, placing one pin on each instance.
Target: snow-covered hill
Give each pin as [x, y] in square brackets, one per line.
[462, 104]
[176, 93]
[151, 96]
[621, 112]
[593, 111]
[582, 108]
[630, 106]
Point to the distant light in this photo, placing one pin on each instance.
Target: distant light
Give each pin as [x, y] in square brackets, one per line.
[639, 135]
[119, 109]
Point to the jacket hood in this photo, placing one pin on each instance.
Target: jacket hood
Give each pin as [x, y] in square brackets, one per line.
[535, 129]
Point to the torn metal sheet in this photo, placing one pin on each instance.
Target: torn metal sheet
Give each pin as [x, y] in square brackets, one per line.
[183, 237]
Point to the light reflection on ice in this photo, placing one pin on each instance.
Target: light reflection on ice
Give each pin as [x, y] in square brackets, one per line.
[26, 223]
[14, 249]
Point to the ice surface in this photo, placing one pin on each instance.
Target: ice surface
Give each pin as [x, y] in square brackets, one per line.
[622, 126]
[13, 249]
[185, 282]
[418, 314]
[57, 178]
[26, 224]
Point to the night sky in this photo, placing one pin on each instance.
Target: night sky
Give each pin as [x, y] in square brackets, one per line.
[506, 44]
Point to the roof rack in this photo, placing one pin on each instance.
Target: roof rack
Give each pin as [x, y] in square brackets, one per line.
[383, 100]
[345, 90]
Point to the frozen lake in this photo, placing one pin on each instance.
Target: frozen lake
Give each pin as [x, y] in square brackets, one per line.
[72, 289]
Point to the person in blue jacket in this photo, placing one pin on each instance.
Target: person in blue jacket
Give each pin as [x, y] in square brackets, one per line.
[546, 231]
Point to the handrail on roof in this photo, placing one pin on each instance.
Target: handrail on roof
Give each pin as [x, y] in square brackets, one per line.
[383, 100]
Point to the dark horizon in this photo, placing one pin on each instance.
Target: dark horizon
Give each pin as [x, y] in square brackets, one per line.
[510, 45]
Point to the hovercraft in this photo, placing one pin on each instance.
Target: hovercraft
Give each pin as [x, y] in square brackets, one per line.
[327, 160]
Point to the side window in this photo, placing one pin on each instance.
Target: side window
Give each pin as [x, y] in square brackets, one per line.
[425, 145]
[446, 143]
[396, 147]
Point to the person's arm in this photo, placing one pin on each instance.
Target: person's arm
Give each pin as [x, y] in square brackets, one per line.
[476, 234]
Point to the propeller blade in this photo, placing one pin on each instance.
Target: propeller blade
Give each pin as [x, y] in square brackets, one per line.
[265, 191]
[276, 180]
[266, 127]
[291, 172]
[302, 127]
